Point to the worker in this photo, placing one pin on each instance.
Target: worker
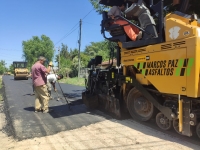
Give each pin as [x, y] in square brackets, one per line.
[39, 79]
[51, 80]
[132, 32]
[176, 2]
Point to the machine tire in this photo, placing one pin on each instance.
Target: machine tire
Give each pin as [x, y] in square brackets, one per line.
[136, 101]
[176, 127]
[163, 122]
[198, 130]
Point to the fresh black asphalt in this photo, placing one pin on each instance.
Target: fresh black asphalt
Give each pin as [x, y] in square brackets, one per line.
[28, 124]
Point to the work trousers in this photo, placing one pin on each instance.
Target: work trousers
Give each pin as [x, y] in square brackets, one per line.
[49, 88]
[41, 98]
[131, 31]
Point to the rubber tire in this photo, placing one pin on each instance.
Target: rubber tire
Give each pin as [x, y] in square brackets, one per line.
[134, 93]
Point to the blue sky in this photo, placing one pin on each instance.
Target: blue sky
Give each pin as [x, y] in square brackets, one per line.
[22, 19]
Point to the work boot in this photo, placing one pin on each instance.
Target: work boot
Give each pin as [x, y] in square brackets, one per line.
[139, 35]
[38, 110]
[47, 110]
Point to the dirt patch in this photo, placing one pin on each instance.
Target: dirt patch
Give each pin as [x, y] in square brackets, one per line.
[106, 135]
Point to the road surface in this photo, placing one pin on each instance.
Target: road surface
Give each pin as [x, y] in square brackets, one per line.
[28, 124]
[75, 129]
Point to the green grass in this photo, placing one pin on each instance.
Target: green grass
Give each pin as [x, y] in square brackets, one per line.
[74, 81]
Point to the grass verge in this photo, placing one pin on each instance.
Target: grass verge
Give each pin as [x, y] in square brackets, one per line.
[74, 81]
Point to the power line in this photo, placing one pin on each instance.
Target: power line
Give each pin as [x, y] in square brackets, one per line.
[88, 14]
[9, 53]
[90, 23]
[7, 60]
[66, 35]
[9, 49]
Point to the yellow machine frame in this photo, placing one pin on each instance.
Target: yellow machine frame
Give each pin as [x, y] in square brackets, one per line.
[175, 63]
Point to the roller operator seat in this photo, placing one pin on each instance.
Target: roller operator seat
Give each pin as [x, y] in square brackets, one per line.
[116, 31]
[140, 11]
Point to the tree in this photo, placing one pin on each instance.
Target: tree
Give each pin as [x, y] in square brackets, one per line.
[194, 5]
[36, 47]
[99, 48]
[2, 67]
[84, 59]
[69, 58]
[73, 53]
[98, 7]
[68, 63]
[65, 66]
[74, 67]
[11, 68]
[63, 52]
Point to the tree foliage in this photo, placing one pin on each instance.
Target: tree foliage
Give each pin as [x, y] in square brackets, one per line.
[194, 5]
[69, 58]
[65, 67]
[99, 48]
[68, 61]
[3, 68]
[37, 46]
[98, 7]
[11, 69]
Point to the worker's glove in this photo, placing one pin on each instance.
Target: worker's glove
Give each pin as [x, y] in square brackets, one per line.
[50, 63]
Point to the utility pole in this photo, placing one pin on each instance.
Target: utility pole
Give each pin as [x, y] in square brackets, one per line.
[79, 42]
[59, 58]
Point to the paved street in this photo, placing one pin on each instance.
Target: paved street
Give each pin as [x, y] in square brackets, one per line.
[75, 129]
[28, 124]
